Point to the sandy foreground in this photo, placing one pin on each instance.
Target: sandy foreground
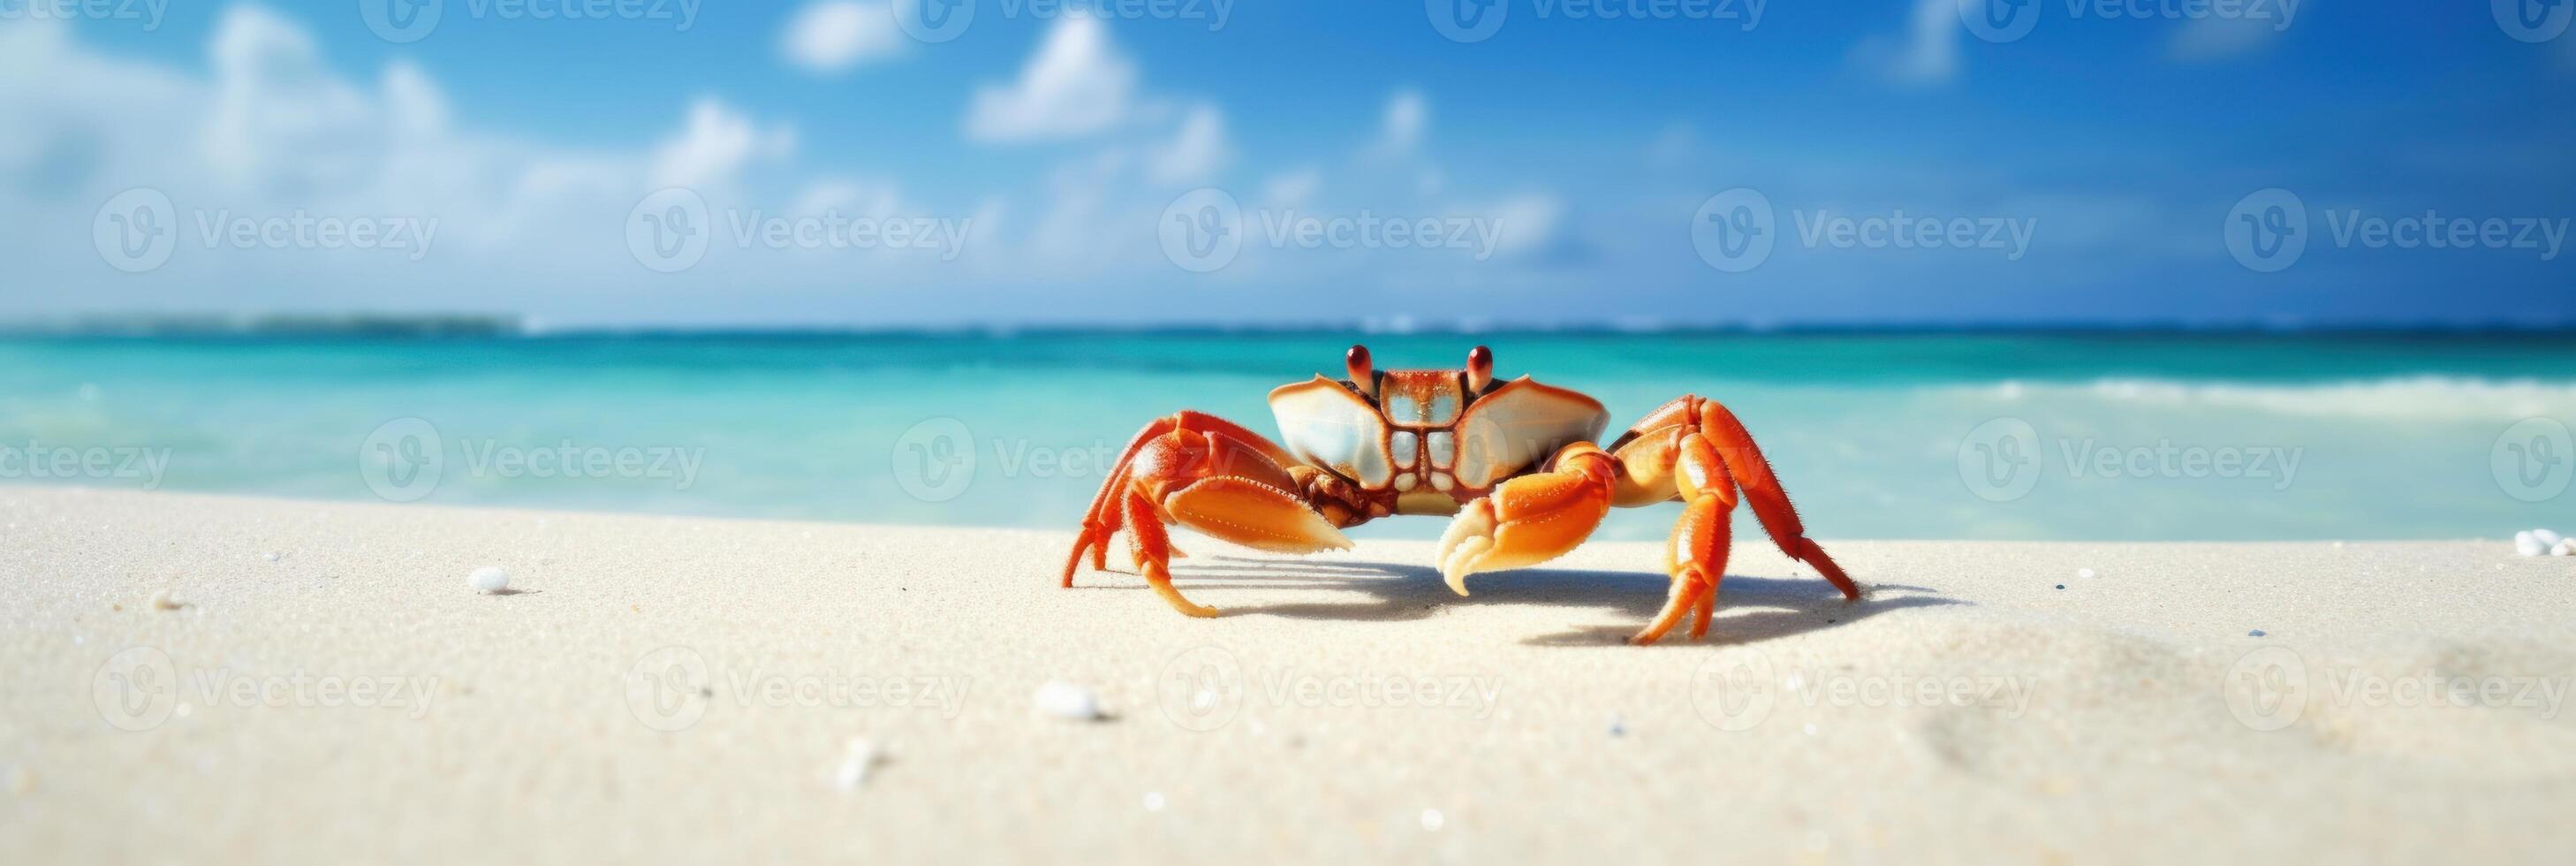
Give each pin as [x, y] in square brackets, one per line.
[329, 688]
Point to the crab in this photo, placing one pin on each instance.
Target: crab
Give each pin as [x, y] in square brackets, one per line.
[1516, 464]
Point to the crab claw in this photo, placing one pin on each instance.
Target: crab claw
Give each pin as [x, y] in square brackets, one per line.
[1526, 521]
[1254, 515]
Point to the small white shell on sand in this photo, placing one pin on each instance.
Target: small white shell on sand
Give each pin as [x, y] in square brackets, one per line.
[2085, 573]
[161, 600]
[857, 760]
[2527, 544]
[490, 578]
[1067, 701]
[1433, 820]
[2565, 547]
[2548, 539]
[1153, 801]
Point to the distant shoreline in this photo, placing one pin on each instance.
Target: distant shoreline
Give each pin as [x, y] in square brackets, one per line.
[496, 326]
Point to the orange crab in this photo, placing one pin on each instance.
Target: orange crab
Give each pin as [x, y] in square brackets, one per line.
[1514, 461]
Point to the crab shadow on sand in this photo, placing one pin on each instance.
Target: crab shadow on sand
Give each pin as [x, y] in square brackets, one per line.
[1750, 609]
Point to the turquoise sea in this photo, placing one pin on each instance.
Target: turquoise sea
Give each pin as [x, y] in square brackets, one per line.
[1937, 435]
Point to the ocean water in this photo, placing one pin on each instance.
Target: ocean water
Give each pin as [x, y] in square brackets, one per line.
[2020, 436]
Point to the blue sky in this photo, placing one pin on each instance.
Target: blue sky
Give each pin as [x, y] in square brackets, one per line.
[1569, 165]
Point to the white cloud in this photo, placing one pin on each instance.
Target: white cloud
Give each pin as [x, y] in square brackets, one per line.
[1408, 115]
[1077, 85]
[834, 35]
[1928, 53]
[715, 146]
[1196, 152]
[1523, 223]
[1291, 189]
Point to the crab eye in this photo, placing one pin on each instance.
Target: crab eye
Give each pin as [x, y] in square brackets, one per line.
[1362, 374]
[1480, 368]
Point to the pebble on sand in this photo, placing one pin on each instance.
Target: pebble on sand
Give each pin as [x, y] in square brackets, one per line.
[2255, 633]
[2085, 573]
[1067, 701]
[490, 578]
[161, 600]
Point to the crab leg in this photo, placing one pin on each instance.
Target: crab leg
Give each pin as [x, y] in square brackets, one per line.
[1105, 515]
[1744, 463]
[1696, 554]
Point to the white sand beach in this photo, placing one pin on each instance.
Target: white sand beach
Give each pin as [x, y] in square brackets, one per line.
[323, 685]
